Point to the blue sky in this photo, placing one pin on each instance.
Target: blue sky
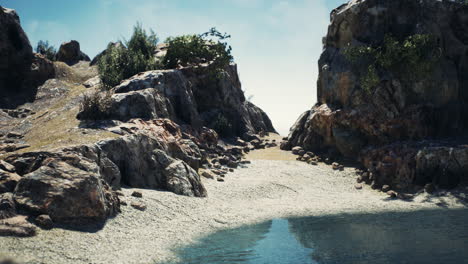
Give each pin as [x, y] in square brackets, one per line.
[276, 43]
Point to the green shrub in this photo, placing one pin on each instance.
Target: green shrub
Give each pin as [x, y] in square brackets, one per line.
[192, 50]
[96, 105]
[411, 59]
[47, 50]
[121, 62]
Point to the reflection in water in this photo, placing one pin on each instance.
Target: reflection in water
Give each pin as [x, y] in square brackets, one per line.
[436, 236]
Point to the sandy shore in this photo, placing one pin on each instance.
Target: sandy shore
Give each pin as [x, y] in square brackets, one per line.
[273, 188]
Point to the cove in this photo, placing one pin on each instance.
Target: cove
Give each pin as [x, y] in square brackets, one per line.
[429, 236]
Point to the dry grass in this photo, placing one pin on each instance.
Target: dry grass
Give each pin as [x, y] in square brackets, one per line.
[57, 126]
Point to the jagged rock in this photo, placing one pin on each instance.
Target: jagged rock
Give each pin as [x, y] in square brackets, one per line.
[6, 166]
[392, 194]
[240, 142]
[8, 181]
[138, 205]
[7, 206]
[93, 82]
[386, 188]
[42, 70]
[44, 222]
[21, 71]
[137, 194]
[70, 53]
[182, 179]
[68, 189]
[17, 56]
[187, 95]
[349, 119]
[296, 150]
[17, 226]
[208, 174]
[418, 163]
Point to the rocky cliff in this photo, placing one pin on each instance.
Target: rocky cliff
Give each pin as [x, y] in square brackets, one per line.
[21, 71]
[406, 93]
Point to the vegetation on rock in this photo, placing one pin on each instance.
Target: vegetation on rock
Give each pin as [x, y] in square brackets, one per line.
[411, 59]
[192, 50]
[44, 48]
[123, 61]
[96, 105]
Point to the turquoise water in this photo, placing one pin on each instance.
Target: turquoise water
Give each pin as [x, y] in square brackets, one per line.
[435, 236]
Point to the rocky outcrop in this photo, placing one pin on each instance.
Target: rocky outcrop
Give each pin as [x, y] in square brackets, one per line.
[356, 121]
[68, 189]
[190, 96]
[21, 71]
[70, 53]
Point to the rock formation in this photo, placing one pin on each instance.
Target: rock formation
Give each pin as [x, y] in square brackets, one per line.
[21, 71]
[158, 133]
[70, 53]
[401, 106]
[188, 97]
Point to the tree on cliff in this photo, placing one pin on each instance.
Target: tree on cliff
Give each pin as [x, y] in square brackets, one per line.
[191, 50]
[47, 50]
[120, 62]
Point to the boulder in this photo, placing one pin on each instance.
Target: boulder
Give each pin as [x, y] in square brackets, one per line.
[6, 166]
[7, 206]
[68, 190]
[70, 53]
[8, 181]
[44, 221]
[17, 226]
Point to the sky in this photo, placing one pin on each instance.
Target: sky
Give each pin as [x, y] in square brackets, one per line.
[276, 43]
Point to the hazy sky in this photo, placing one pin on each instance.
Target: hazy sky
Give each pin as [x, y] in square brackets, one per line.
[275, 43]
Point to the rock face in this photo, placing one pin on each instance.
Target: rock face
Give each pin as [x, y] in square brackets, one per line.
[21, 71]
[68, 189]
[350, 119]
[70, 53]
[190, 97]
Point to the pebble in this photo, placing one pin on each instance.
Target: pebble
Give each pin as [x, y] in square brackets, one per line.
[138, 206]
[137, 194]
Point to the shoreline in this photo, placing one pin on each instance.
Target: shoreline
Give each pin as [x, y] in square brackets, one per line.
[267, 189]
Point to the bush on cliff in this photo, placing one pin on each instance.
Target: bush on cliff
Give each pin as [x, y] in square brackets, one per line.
[121, 62]
[412, 59]
[47, 50]
[192, 50]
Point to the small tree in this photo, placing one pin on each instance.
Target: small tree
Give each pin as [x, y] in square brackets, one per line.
[191, 50]
[47, 50]
[121, 62]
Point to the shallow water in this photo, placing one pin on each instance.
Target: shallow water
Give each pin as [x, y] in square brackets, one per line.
[431, 236]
